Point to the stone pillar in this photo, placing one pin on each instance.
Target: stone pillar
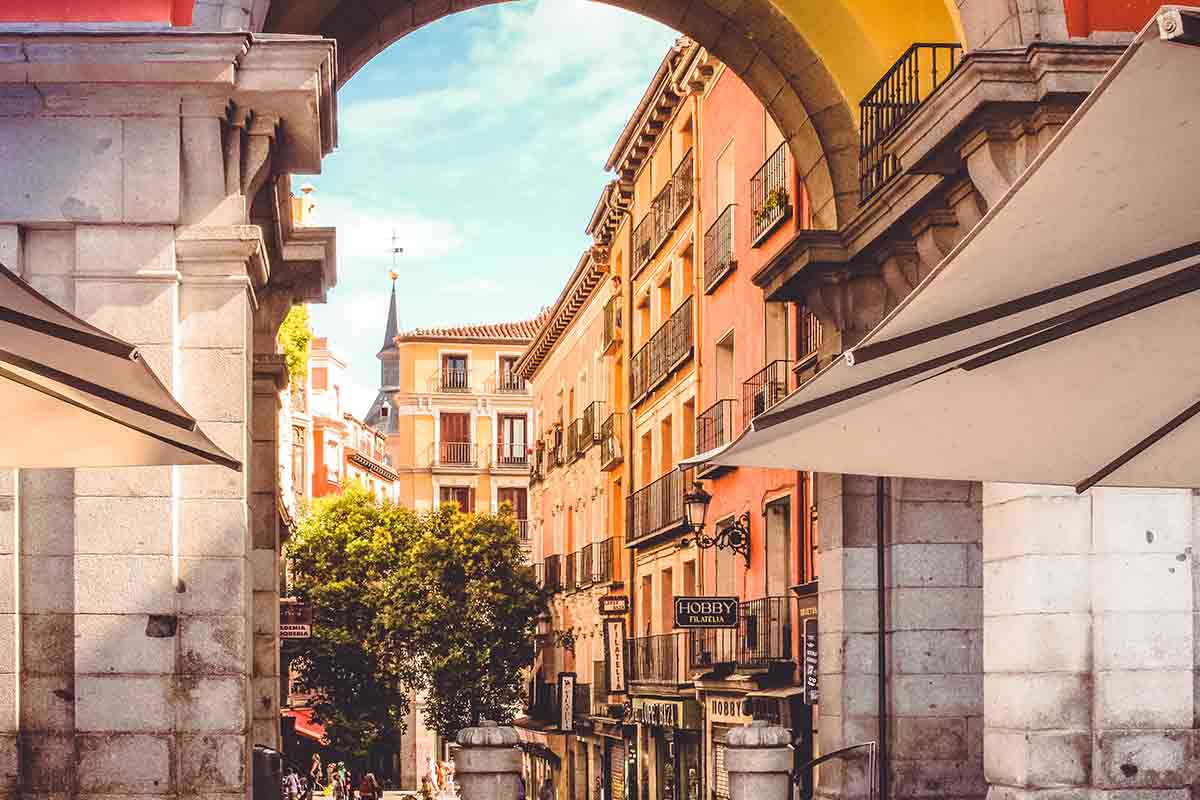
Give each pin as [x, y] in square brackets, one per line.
[487, 765]
[1089, 643]
[759, 759]
[9, 761]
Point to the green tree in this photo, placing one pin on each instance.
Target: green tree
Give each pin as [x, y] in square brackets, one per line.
[469, 602]
[341, 556]
[295, 337]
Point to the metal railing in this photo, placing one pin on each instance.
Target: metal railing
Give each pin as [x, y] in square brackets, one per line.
[574, 448]
[511, 455]
[670, 345]
[454, 380]
[718, 249]
[511, 384]
[539, 574]
[867, 752]
[523, 530]
[610, 441]
[569, 573]
[764, 389]
[456, 454]
[769, 200]
[602, 561]
[583, 567]
[582, 697]
[715, 425]
[590, 424]
[554, 448]
[665, 211]
[764, 635]
[909, 82]
[537, 465]
[657, 658]
[808, 333]
[657, 507]
[612, 323]
[552, 570]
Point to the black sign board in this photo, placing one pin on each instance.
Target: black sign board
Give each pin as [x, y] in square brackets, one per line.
[706, 612]
[614, 604]
[811, 692]
[566, 701]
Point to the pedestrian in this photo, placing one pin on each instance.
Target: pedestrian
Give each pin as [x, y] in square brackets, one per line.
[374, 790]
[315, 776]
[426, 788]
[291, 785]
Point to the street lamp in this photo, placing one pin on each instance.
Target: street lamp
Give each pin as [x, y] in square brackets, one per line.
[734, 536]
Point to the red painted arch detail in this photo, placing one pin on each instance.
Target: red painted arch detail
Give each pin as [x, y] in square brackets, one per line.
[169, 12]
[1085, 17]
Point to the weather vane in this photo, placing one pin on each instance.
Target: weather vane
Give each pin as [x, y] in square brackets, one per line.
[396, 251]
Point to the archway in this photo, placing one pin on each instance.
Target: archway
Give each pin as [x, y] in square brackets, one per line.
[808, 67]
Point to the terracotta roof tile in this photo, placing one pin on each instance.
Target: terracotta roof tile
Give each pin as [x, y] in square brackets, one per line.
[506, 331]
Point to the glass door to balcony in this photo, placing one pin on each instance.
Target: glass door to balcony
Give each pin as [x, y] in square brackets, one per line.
[456, 439]
[463, 495]
[513, 441]
[454, 374]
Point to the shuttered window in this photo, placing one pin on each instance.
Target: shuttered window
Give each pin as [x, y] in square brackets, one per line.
[616, 770]
[720, 772]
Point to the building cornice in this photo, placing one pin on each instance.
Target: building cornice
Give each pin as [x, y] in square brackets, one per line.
[589, 273]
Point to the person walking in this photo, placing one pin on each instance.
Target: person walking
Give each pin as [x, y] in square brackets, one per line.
[372, 791]
[316, 777]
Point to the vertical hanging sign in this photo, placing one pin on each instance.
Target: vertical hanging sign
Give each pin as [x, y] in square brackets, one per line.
[566, 701]
[614, 651]
[810, 661]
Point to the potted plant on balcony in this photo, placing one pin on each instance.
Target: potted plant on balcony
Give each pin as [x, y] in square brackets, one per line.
[775, 201]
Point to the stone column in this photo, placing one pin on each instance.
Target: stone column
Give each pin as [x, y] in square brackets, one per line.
[759, 759]
[487, 765]
[1089, 643]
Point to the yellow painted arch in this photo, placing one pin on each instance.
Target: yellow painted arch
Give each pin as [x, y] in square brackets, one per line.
[859, 39]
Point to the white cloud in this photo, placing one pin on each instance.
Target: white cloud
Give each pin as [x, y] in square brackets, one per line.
[475, 287]
[365, 235]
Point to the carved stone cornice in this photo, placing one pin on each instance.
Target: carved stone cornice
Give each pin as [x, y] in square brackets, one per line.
[588, 275]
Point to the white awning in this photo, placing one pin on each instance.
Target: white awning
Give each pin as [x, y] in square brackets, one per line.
[1058, 342]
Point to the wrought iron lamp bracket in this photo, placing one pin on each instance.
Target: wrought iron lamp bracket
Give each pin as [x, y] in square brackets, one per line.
[565, 639]
[735, 536]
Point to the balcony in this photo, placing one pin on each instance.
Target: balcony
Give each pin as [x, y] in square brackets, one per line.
[666, 209]
[455, 454]
[657, 507]
[658, 659]
[452, 379]
[510, 455]
[510, 384]
[523, 531]
[589, 426]
[715, 427]
[610, 442]
[764, 389]
[718, 250]
[552, 572]
[899, 93]
[808, 336]
[582, 699]
[554, 448]
[668, 348]
[542, 703]
[570, 574]
[770, 204]
[583, 566]
[612, 325]
[537, 465]
[763, 636]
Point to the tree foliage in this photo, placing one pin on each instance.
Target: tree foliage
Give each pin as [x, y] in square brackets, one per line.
[295, 337]
[440, 602]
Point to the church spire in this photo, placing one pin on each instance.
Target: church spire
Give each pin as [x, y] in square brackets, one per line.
[393, 319]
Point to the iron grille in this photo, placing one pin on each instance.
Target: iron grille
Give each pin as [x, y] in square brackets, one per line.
[764, 389]
[769, 200]
[718, 250]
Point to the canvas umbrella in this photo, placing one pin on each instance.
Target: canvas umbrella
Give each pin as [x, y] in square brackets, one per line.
[1057, 343]
[71, 395]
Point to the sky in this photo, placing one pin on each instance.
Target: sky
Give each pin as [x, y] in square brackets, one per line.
[481, 140]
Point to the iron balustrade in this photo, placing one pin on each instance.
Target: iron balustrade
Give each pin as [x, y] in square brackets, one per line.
[769, 200]
[573, 437]
[612, 323]
[764, 389]
[718, 249]
[513, 455]
[610, 441]
[542, 704]
[602, 565]
[764, 634]
[582, 699]
[552, 570]
[539, 575]
[658, 506]
[670, 345]
[454, 379]
[554, 450]
[666, 209]
[909, 82]
[523, 530]
[808, 334]
[511, 383]
[583, 570]
[715, 425]
[537, 466]
[569, 575]
[456, 454]
[591, 421]
[656, 658]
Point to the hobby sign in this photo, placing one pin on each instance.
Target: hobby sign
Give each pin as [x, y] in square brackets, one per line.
[706, 612]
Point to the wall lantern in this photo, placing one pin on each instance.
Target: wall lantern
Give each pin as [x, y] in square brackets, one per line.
[733, 536]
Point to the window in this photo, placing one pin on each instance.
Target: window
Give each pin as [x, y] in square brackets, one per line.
[772, 137]
[667, 603]
[512, 439]
[454, 373]
[647, 457]
[463, 495]
[687, 275]
[726, 564]
[455, 446]
[320, 379]
[333, 471]
[385, 411]
[808, 333]
[646, 600]
[724, 184]
[665, 451]
[689, 428]
[726, 382]
[689, 578]
[515, 497]
[510, 381]
[778, 547]
[775, 329]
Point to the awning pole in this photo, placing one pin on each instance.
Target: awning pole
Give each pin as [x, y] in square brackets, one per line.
[1138, 449]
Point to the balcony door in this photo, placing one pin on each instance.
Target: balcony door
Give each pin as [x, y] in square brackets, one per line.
[456, 438]
[510, 381]
[454, 373]
[463, 495]
[512, 438]
[515, 497]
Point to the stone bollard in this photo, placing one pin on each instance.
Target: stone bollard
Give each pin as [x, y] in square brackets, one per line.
[758, 757]
[487, 765]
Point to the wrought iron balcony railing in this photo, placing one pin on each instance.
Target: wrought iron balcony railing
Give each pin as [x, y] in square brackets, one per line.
[569, 573]
[612, 324]
[523, 530]
[718, 250]
[909, 82]
[657, 507]
[554, 448]
[657, 659]
[808, 334]
[764, 634]
[715, 425]
[537, 465]
[456, 454]
[583, 566]
[610, 441]
[574, 445]
[589, 425]
[552, 570]
[602, 561]
[454, 380]
[667, 349]
[511, 384]
[510, 455]
[764, 389]
[770, 203]
[666, 209]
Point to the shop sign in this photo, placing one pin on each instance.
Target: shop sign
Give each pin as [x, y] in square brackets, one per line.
[614, 654]
[665, 713]
[728, 710]
[614, 604]
[566, 701]
[706, 612]
[811, 692]
[295, 620]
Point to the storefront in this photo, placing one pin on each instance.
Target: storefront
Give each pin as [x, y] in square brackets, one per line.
[668, 747]
[723, 713]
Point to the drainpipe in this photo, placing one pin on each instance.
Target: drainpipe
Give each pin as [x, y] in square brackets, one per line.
[880, 529]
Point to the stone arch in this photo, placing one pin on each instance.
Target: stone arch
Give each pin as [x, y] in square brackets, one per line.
[753, 37]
